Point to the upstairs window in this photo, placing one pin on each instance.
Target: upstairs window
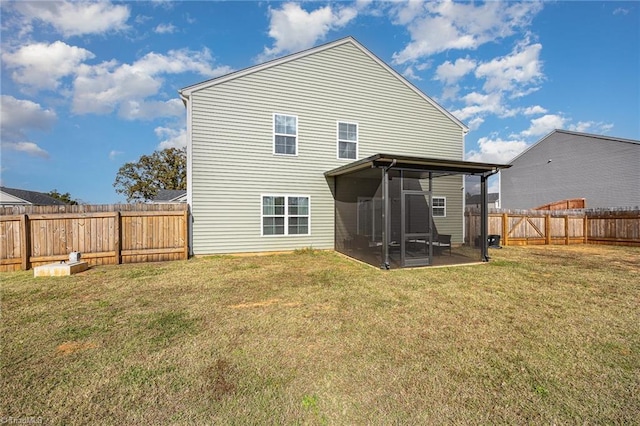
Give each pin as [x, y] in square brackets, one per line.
[285, 215]
[285, 134]
[439, 206]
[347, 141]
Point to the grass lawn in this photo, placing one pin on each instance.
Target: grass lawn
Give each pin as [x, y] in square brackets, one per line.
[541, 335]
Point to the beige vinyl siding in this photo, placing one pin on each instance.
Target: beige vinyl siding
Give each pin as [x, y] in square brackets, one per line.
[449, 187]
[232, 143]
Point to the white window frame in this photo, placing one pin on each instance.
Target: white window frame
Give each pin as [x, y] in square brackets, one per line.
[338, 140]
[443, 206]
[286, 215]
[284, 134]
[371, 204]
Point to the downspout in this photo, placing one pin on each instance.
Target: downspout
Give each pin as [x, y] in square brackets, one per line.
[386, 213]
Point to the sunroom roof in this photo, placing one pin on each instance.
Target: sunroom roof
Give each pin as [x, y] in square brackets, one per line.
[439, 165]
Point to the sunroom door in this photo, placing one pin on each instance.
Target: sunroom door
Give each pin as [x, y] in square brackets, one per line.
[416, 247]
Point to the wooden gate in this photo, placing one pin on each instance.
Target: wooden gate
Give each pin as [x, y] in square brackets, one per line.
[532, 227]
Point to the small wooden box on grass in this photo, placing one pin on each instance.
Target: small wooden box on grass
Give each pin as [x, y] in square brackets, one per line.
[60, 269]
[73, 266]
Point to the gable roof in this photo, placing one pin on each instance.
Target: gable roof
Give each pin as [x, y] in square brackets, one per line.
[168, 195]
[186, 92]
[32, 197]
[568, 132]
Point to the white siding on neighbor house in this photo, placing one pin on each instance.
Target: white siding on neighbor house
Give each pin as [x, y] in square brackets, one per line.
[10, 200]
[232, 144]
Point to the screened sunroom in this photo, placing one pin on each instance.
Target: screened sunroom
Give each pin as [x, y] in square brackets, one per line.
[391, 211]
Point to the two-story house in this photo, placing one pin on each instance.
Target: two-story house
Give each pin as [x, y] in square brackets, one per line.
[288, 154]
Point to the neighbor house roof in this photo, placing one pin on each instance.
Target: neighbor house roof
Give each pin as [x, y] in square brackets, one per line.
[568, 132]
[30, 197]
[170, 195]
[187, 91]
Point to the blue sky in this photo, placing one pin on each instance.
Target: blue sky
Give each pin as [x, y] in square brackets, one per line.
[89, 86]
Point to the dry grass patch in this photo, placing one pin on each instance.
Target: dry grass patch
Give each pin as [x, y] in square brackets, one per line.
[538, 335]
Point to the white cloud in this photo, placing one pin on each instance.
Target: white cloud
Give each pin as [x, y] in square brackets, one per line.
[450, 73]
[521, 68]
[107, 86]
[28, 147]
[73, 18]
[410, 74]
[147, 110]
[496, 150]
[165, 29]
[543, 125]
[475, 123]
[19, 116]
[42, 65]
[408, 11]
[294, 29]
[480, 103]
[113, 154]
[450, 92]
[171, 138]
[179, 61]
[438, 26]
[596, 127]
[621, 11]
[506, 77]
[142, 19]
[534, 110]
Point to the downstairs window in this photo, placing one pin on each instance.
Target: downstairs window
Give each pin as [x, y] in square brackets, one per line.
[285, 215]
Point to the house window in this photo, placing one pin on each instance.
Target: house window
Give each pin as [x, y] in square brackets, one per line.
[285, 215]
[285, 134]
[347, 140]
[439, 206]
[370, 218]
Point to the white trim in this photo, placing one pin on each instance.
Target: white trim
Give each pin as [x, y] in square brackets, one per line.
[357, 141]
[284, 134]
[439, 207]
[7, 199]
[286, 214]
[187, 91]
[189, 195]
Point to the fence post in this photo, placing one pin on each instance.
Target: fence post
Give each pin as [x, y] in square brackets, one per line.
[566, 229]
[117, 236]
[547, 229]
[505, 229]
[25, 241]
[585, 229]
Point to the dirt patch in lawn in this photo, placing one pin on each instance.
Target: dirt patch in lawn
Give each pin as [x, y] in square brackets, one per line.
[67, 348]
[261, 304]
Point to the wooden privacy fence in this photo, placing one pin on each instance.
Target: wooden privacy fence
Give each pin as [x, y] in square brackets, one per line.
[103, 234]
[585, 226]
